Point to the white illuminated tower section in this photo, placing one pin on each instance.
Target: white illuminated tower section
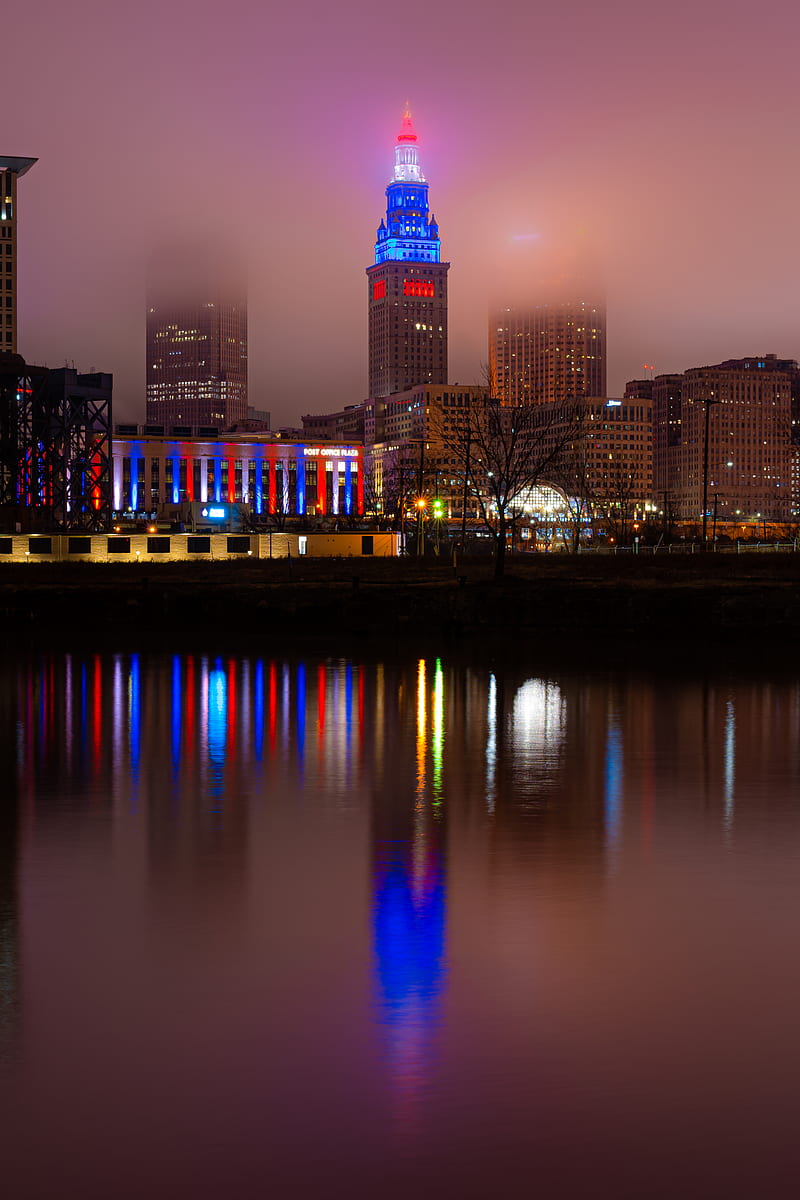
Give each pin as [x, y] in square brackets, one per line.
[407, 282]
[10, 171]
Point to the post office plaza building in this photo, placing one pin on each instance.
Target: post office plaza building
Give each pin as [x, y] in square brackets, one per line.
[154, 466]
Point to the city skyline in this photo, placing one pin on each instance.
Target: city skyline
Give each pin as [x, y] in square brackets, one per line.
[647, 135]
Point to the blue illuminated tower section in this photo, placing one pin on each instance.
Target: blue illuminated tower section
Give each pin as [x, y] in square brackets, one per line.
[407, 282]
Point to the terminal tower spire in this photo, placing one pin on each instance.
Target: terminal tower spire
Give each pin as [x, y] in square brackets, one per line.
[408, 231]
[407, 281]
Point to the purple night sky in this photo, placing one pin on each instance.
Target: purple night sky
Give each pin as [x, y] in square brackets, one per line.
[662, 136]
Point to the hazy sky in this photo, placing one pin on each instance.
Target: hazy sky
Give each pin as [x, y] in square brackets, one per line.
[663, 136]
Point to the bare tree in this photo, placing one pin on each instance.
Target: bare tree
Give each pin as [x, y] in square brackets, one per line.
[617, 498]
[500, 452]
[572, 473]
[400, 477]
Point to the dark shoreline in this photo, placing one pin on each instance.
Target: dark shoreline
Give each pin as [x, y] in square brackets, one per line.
[583, 605]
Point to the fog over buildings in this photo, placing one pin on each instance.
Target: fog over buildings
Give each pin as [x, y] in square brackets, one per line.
[660, 141]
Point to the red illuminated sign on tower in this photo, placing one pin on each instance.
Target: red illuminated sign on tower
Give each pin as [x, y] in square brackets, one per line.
[418, 287]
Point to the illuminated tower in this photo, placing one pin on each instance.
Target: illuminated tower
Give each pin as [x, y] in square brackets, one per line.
[407, 282]
[10, 170]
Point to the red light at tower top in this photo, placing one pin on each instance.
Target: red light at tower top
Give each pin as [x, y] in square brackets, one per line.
[407, 131]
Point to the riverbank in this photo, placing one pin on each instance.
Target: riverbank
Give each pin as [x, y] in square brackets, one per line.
[688, 599]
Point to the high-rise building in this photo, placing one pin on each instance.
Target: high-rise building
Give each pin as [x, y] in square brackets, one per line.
[548, 353]
[744, 406]
[10, 171]
[407, 282]
[196, 345]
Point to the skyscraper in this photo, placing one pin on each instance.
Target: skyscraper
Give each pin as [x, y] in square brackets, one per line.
[551, 352]
[196, 344]
[10, 170]
[407, 282]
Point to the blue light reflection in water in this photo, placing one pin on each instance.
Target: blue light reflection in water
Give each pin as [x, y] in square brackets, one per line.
[300, 704]
[258, 710]
[612, 801]
[134, 714]
[177, 712]
[217, 734]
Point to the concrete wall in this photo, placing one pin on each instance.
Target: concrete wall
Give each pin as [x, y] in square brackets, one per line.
[184, 547]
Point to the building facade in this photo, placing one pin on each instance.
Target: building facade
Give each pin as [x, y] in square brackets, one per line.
[746, 405]
[664, 393]
[345, 425]
[152, 471]
[10, 171]
[409, 440]
[552, 353]
[196, 348]
[407, 283]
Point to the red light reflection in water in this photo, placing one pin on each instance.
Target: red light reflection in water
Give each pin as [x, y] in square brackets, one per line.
[321, 688]
[97, 713]
[273, 706]
[189, 712]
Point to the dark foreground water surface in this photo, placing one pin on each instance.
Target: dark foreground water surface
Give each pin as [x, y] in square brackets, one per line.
[285, 927]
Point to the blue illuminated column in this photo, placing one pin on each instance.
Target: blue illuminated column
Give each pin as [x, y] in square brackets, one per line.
[218, 478]
[348, 487]
[136, 454]
[259, 501]
[176, 479]
[301, 482]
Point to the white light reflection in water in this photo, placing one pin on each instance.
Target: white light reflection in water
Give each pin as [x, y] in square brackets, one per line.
[538, 717]
[117, 721]
[730, 763]
[491, 743]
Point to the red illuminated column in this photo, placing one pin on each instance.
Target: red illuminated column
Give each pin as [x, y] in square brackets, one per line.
[272, 486]
[320, 485]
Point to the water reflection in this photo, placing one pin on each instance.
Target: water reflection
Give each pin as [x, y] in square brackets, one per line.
[352, 897]
[9, 900]
[409, 844]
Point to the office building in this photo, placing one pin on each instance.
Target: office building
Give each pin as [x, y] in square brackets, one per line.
[196, 344]
[409, 446]
[407, 282]
[10, 171]
[345, 425]
[746, 406]
[548, 353]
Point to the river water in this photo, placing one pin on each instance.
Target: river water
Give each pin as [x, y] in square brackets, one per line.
[309, 927]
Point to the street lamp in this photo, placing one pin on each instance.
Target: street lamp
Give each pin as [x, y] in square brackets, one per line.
[708, 401]
[420, 518]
